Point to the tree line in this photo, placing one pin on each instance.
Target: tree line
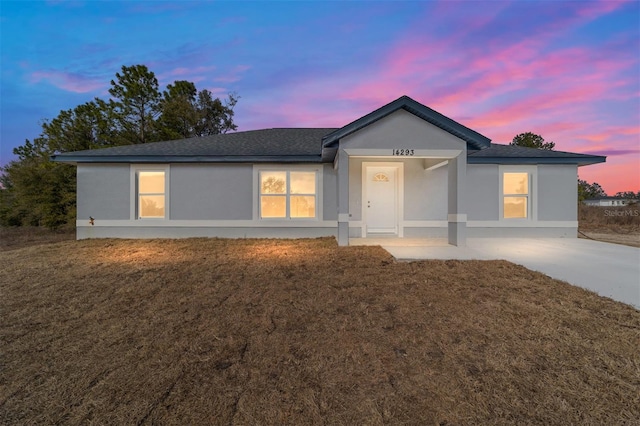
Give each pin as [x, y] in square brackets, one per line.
[38, 192]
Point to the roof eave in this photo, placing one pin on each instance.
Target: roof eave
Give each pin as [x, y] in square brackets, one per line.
[580, 161]
[149, 159]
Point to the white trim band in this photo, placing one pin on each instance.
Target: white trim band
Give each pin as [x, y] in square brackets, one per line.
[522, 224]
[457, 217]
[424, 223]
[161, 223]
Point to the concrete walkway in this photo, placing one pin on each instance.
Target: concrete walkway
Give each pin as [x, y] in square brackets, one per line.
[611, 270]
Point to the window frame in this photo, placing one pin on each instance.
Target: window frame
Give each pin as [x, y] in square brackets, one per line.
[135, 192]
[287, 169]
[531, 196]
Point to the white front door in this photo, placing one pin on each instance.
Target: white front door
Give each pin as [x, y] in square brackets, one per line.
[381, 199]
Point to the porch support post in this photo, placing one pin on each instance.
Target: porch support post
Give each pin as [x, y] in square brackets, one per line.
[457, 219]
[343, 198]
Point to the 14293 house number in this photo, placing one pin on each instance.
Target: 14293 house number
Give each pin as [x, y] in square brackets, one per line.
[405, 152]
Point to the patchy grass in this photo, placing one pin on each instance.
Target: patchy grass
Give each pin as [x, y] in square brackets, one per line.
[211, 331]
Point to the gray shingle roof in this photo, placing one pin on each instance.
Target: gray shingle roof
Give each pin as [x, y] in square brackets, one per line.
[289, 145]
[293, 145]
[311, 145]
[509, 154]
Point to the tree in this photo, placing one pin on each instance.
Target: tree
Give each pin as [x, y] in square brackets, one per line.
[214, 117]
[136, 104]
[87, 126]
[179, 111]
[188, 113]
[532, 140]
[587, 191]
[36, 191]
[628, 194]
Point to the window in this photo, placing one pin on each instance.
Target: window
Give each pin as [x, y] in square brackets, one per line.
[151, 194]
[287, 194]
[380, 177]
[515, 195]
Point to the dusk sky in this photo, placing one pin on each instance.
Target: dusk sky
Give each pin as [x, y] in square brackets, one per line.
[568, 70]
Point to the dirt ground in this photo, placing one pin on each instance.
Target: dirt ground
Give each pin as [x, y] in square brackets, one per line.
[624, 237]
[210, 331]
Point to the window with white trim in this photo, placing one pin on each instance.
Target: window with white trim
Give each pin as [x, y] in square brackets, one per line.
[151, 194]
[516, 191]
[288, 194]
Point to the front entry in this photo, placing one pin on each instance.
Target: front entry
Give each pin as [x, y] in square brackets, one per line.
[380, 203]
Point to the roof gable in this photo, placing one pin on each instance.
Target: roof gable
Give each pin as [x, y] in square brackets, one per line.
[474, 139]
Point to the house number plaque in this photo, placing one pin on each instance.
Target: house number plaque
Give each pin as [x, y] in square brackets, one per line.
[403, 152]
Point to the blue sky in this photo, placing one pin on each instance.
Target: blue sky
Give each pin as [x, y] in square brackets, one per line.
[568, 70]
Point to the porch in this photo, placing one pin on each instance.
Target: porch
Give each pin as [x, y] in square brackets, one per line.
[417, 199]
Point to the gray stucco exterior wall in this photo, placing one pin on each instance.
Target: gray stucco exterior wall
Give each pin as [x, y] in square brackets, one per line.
[557, 192]
[330, 193]
[483, 196]
[355, 188]
[103, 191]
[211, 191]
[203, 200]
[425, 192]
[402, 129]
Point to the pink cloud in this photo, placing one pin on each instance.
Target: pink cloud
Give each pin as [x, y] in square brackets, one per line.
[218, 91]
[193, 74]
[500, 88]
[179, 71]
[204, 74]
[198, 70]
[235, 74]
[71, 82]
[593, 9]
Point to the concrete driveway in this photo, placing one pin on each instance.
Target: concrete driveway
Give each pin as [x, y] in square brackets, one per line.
[611, 270]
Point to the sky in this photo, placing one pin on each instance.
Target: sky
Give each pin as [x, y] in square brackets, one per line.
[567, 70]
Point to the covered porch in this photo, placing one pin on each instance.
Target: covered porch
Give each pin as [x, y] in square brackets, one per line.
[409, 197]
[401, 173]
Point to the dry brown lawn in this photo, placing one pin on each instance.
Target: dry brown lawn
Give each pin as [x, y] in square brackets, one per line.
[238, 332]
[26, 236]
